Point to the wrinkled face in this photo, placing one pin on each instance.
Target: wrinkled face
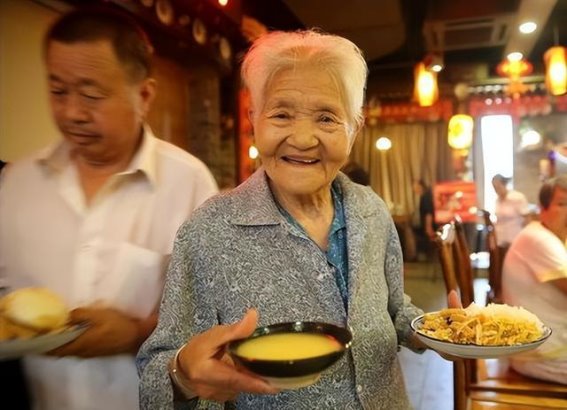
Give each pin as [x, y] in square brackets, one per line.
[555, 216]
[301, 131]
[96, 106]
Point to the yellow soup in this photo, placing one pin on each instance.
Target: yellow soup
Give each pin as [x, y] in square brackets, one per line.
[288, 346]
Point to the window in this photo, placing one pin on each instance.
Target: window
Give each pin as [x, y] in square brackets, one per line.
[497, 153]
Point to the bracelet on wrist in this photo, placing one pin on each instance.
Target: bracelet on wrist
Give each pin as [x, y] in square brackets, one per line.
[178, 378]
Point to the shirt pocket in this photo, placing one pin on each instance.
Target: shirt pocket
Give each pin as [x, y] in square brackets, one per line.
[135, 283]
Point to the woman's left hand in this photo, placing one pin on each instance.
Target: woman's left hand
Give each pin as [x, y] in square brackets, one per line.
[453, 300]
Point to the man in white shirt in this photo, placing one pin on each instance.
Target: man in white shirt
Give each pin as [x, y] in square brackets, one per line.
[535, 277]
[511, 210]
[94, 217]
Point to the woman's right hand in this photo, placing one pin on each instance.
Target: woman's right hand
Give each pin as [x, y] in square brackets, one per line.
[209, 370]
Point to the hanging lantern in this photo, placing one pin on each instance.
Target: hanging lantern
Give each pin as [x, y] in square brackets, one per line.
[514, 70]
[460, 131]
[426, 90]
[556, 70]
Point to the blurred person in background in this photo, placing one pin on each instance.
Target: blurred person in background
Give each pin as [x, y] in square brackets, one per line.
[93, 217]
[535, 277]
[15, 390]
[511, 210]
[356, 173]
[425, 231]
[297, 241]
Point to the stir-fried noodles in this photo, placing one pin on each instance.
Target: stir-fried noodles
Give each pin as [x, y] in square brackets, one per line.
[491, 325]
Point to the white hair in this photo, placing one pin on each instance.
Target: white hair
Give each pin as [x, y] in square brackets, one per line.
[279, 50]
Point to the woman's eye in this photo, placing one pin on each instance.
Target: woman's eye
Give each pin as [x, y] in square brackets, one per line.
[327, 119]
[280, 116]
[57, 91]
[92, 96]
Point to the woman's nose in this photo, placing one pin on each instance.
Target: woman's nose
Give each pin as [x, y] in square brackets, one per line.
[303, 134]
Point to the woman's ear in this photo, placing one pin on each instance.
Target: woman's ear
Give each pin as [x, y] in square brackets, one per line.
[356, 130]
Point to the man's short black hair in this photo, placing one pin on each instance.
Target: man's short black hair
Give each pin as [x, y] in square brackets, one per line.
[89, 24]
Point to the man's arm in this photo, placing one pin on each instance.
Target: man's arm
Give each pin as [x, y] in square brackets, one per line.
[560, 284]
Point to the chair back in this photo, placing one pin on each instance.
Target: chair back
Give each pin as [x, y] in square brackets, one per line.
[482, 380]
[464, 270]
[445, 240]
[496, 255]
[457, 274]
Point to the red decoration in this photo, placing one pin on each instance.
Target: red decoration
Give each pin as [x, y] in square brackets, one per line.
[455, 198]
[526, 105]
[514, 70]
[408, 112]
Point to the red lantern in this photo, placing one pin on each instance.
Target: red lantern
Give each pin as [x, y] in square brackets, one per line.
[514, 70]
[426, 91]
[556, 70]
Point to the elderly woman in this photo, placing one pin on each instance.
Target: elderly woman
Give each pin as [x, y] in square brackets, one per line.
[297, 241]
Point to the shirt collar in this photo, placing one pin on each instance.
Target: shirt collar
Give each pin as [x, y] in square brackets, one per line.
[56, 157]
[256, 205]
[339, 216]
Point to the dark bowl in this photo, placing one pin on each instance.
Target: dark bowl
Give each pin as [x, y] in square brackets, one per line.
[290, 374]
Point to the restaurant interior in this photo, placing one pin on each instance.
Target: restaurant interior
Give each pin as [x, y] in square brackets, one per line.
[458, 91]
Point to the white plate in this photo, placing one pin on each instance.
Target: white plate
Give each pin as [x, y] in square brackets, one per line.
[472, 351]
[11, 349]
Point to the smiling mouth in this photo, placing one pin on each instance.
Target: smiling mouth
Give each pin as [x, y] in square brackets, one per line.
[300, 161]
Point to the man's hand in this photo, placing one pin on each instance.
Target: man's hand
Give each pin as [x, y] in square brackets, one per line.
[109, 332]
[209, 370]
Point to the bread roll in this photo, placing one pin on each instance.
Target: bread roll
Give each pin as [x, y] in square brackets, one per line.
[36, 308]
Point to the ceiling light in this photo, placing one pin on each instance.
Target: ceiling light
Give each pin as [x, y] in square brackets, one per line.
[515, 56]
[433, 62]
[383, 144]
[253, 152]
[530, 139]
[436, 68]
[527, 27]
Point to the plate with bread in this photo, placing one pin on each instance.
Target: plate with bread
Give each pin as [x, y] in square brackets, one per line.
[34, 320]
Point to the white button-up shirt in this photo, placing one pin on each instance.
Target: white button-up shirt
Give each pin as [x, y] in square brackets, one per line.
[111, 252]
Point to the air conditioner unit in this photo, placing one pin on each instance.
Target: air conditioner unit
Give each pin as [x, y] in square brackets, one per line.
[462, 34]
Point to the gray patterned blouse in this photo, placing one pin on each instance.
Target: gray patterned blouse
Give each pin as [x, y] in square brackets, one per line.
[238, 251]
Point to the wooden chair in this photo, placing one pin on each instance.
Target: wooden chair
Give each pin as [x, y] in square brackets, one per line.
[484, 384]
[496, 254]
